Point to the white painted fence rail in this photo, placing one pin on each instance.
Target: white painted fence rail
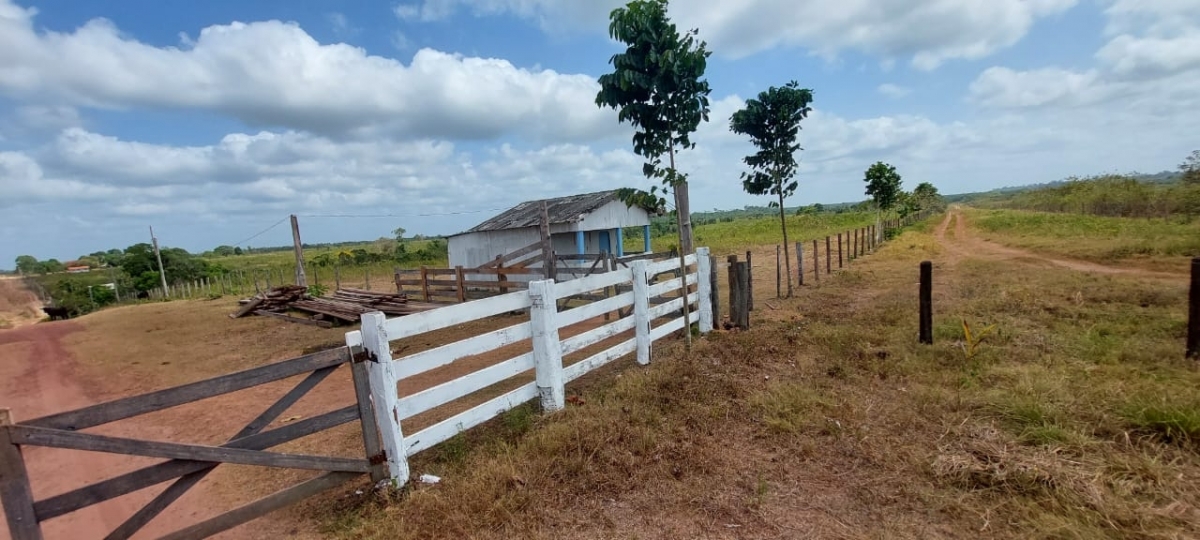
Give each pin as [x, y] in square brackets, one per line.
[544, 356]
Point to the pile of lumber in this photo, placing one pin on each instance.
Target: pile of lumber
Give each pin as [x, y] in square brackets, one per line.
[344, 305]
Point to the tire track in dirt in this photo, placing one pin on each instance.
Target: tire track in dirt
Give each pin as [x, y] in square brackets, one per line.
[965, 244]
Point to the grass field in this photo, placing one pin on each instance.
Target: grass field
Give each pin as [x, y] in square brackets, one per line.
[1077, 417]
[1151, 243]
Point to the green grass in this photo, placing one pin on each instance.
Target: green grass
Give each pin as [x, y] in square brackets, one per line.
[738, 234]
[1094, 238]
[1171, 420]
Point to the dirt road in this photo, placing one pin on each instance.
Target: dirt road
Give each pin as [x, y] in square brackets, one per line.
[963, 243]
[37, 377]
[18, 306]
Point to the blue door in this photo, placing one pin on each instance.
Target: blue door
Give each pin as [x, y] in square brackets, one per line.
[605, 242]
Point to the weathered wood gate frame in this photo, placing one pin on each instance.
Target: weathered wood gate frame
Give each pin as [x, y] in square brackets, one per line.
[189, 463]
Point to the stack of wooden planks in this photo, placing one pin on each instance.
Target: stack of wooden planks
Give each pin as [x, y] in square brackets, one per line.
[344, 305]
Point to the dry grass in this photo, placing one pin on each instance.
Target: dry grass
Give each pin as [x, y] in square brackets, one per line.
[1077, 419]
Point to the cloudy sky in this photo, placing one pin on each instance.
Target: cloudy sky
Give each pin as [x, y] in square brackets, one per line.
[214, 120]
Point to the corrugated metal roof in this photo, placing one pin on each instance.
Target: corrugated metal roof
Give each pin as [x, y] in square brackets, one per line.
[569, 209]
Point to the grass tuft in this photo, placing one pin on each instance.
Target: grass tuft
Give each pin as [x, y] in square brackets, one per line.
[1172, 422]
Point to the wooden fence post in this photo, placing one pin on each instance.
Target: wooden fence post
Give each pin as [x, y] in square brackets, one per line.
[749, 282]
[800, 263]
[741, 272]
[1193, 339]
[384, 395]
[460, 279]
[828, 256]
[547, 349]
[778, 276]
[366, 415]
[926, 302]
[816, 263]
[337, 277]
[839, 250]
[425, 283]
[714, 296]
[15, 491]
[500, 277]
[367, 278]
[641, 310]
[704, 288]
[734, 291]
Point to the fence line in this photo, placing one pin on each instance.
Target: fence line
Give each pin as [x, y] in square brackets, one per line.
[544, 355]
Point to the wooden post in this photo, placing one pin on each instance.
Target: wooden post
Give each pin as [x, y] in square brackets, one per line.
[425, 283]
[500, 276]
[926, 302]
[816, 263]
[734, 291]
[337, 277]
[641, 310]
[828, 257]
[1193, 339]
[714, 297]
[741, 272]
[366, 414]
[704, 286]
[839, 251]
[384, 396]
[548, 262]
[547, 349]
[15, 491]
[367, 278]
[800, 262]
[749, 282]
[854, 247]
[162, 273]
[460, 279]
[301, 278]
[778, 276]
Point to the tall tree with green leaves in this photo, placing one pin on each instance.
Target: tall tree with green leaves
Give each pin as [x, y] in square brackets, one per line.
[772, 121]
[883, 186]
[927, 197]
[1191, 168]
[657, 85]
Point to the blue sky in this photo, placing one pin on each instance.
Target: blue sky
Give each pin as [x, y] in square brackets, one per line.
[214, 120]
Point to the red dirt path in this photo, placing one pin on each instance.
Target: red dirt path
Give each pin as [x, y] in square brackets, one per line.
[40, 382]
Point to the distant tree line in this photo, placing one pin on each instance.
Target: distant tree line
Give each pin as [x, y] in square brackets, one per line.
[1109, 195]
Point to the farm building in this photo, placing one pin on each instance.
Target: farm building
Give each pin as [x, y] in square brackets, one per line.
[579, 224]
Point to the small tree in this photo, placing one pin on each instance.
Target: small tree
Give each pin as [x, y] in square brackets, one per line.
[883, 186]
[1191, 168]
[657, 86]
[773, 122]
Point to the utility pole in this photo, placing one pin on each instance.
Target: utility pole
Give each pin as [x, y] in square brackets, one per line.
[162, 274]
[301, 279]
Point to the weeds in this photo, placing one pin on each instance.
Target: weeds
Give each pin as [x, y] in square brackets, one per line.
[1172, 422]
